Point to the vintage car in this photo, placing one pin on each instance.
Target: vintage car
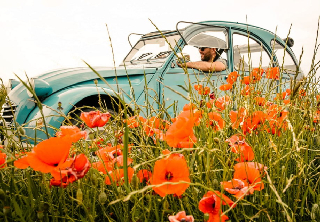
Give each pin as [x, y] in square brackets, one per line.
[148, 75]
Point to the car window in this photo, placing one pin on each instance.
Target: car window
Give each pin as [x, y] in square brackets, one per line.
[248, 53]
[151, 52]
[284, 58]
[212, 38]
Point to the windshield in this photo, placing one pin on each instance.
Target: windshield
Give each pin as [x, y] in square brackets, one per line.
[151, 52]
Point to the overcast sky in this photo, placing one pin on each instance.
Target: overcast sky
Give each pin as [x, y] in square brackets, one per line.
[41, 35]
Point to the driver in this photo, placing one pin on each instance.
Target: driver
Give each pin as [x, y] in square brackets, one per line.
[210, 61]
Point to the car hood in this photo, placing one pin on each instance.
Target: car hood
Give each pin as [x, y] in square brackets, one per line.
[62, 78]
[67, 77]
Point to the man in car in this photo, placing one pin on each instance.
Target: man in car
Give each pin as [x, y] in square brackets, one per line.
[210, 61]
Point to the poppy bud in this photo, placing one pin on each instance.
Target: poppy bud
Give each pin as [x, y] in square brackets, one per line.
[95, 81]
[215, 184]
[40, 215]
[6, 210]
[44, 207]
[206, 217]
[91, 136]
[2, 195]
[315, 212]
[102, 197]
[21, 130]
[135, 182]
[216, 140]
[79, 195]
[165, 205]
[266, 198]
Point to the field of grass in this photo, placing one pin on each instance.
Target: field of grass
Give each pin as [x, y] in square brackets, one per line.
[241, 152]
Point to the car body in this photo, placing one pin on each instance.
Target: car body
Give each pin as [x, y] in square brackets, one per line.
[149, 74]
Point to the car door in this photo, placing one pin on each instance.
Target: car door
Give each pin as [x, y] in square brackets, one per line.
[176, 84]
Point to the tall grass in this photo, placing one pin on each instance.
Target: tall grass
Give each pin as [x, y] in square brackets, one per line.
[292, 158]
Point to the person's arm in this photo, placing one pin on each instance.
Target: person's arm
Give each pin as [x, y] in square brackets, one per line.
[205, 66]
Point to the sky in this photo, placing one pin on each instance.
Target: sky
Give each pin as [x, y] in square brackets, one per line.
[41, 35]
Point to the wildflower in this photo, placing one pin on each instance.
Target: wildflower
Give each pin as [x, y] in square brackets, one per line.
[260, 101]
[246, 80]
[144, 175]
[211, 203]
[256, 75]
[250, 173]
[216, 121]
[222, 102]
[22, 161]
[202, 90]
[70, 171]
[273, 73]
[225, 87]
[239, 146]
[237, 117]
[189, 106]
[182, 129]
[49, 154]
[232, 77]
[181, 216]
[237, 187]
[95, 118]
[134, 121]
[3, 158]
[103, 166]
[72, 131]
[172, 168]
[247, 90]
[117, 176]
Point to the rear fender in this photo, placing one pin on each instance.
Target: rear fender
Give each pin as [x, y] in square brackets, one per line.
[57, 106]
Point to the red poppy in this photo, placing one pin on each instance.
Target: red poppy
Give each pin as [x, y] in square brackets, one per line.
[237, 117]
[247, 90]
[134, 121]
[211, 203]
[182, 129]
[70, 171]
[95, 118]
[72, 131]
[273, 73]
[49, 154]
[172, 168]
[103, 166]
[239, 146]
[256, 75]
[222, 102]
[246, 80]
[3, 158]
[189, 106]
[117, 176]
[237, 187]
[252, 122]
[232, 77]
[250, 173]
[22, 162]
[225, 87]
[119, 160]
[202, 90]
[276, 119]
[144, 175]
[216, 121]
[260, 101]
[181, 216]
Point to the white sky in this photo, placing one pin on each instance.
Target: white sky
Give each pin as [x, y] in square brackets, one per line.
[40, 35]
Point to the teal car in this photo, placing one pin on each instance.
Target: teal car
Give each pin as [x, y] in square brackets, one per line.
[148, 75]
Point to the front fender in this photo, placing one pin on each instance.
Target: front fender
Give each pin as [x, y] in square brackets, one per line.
[55, 114]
